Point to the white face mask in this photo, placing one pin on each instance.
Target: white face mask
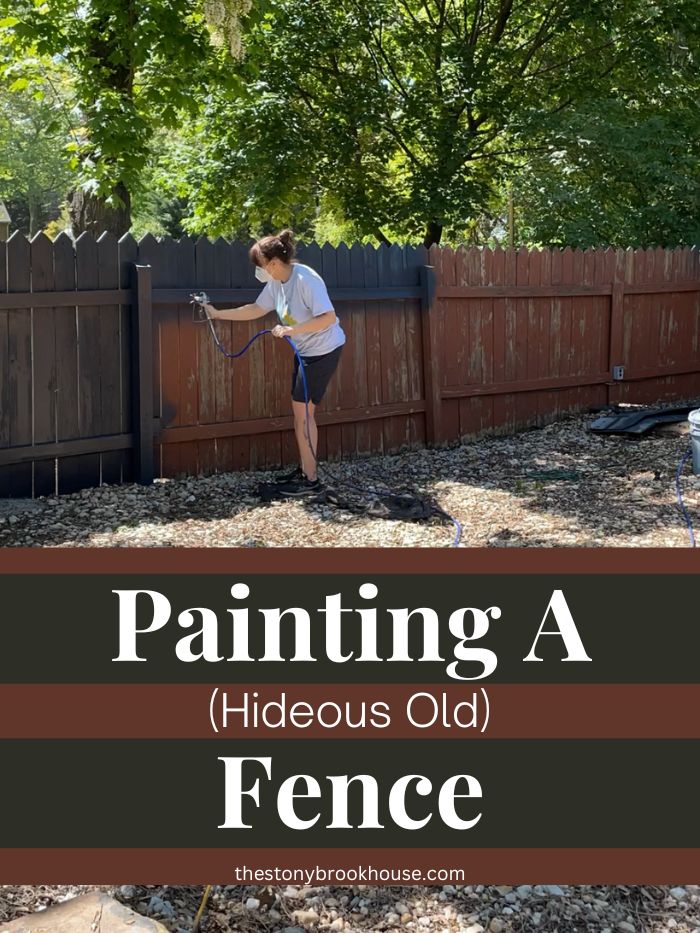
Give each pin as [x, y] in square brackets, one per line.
[261, 275]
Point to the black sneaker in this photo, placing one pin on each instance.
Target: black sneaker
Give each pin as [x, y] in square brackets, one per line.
[299, 487]
[292, 477]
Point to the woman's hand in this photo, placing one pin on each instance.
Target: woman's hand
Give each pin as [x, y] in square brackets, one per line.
[281, 330]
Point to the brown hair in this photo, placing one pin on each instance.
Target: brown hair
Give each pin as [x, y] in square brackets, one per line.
[273, 247]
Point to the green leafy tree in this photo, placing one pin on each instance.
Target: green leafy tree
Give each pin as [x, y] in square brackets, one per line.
[618, 175]
[135, 67]
[34, 169]
[412, 114]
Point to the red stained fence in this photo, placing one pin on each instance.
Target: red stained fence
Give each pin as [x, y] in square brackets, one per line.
[105, 377]
[525, 335]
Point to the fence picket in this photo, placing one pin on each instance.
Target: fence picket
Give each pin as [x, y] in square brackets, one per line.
[89, 355]
[19, 369]
[127, 249]
[110, 355]
[43, 325]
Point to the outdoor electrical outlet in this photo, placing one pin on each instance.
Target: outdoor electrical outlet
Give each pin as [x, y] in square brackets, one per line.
[618, 372]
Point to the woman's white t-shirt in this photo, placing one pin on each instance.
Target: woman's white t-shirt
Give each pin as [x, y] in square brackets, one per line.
[302, 297]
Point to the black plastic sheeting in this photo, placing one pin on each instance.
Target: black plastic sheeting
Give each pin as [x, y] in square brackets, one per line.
[639, 421]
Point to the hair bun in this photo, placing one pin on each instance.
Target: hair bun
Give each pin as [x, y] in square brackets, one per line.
[273, 247]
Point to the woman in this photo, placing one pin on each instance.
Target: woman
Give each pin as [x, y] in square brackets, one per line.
[299, 296]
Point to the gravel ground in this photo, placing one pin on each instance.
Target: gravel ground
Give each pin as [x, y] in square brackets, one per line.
[557, 486]
[448, 909]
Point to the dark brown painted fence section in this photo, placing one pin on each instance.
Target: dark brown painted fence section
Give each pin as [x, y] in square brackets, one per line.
[219, 415]
[104, 376]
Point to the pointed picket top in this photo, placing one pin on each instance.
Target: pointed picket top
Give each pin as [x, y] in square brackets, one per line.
[63, 241]
[498, 266]
[18, 257]
[148, 252]
[382, 260]
[343, 267]
[663, 263]
[15, 239]
[370, 265]
[40, 245]
[148, 241]
[313, 257]
[128, 257]
[329, 265]
[86, 239]
[356, 251]
[421, 255]
[41, 263]
[222, 250]
[396, 264]
[432, 255]
[108, 258]
[127, 240]
[39, 238]
[185, 245]
[107, 237]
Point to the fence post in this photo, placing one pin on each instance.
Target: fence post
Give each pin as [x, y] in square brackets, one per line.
[431, 358]
[616, 338]
[142, 374]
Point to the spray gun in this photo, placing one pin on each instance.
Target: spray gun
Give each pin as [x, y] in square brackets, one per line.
[199, 311]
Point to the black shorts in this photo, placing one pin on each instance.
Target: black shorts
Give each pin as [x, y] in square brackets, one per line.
[318, 371]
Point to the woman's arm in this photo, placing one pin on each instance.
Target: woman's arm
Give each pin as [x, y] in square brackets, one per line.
[320, 322]
[243, 313]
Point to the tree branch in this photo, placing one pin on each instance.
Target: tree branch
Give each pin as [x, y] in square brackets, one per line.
[476, 22]
[503, 17]
[568, 61]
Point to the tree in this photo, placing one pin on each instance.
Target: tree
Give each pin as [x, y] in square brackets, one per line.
[623, 170]
[412, 113]
[616, 178]
[34, 170]
[135, 66]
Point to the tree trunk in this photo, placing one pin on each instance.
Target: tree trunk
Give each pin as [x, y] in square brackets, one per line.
[34, 216]
[433, 232]
[90, 213]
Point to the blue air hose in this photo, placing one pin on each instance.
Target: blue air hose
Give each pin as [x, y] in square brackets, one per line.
[233, 356]
[679, 494]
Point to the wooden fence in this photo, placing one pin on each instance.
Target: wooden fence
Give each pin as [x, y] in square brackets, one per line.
[105, 377]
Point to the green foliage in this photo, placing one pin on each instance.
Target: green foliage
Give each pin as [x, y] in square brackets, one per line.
[134, 67]
[619, 176]
[413, 114]
[34, 170]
